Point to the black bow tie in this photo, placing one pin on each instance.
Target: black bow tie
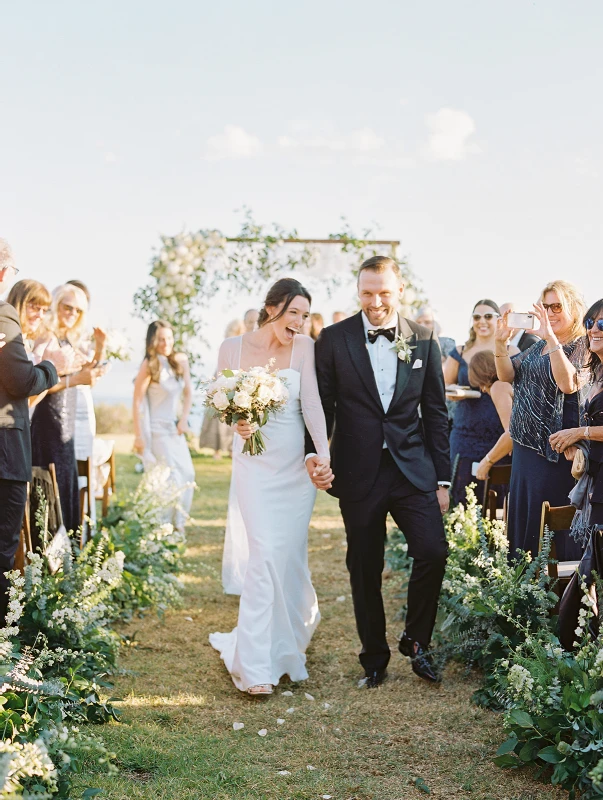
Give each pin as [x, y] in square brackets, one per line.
[389, 333]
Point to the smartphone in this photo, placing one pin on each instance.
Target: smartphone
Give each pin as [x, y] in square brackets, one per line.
[474, 468]
[526, 322]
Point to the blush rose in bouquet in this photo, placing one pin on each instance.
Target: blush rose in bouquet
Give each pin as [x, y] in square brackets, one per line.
[250, 395]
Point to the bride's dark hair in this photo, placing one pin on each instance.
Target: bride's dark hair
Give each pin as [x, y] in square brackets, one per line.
[284, 291]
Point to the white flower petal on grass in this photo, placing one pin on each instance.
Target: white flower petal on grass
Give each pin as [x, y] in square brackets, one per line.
[263, 732]
[284, 772]
[326, 705]
[189, 619]
[290, 711]
[280, 722]
[341, 598]
[287, 694]
[308, 696]
[238, 726]
[310, 767]
[326, 536]
[326, 796]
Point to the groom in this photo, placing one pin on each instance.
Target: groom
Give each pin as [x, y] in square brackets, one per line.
[375, 371]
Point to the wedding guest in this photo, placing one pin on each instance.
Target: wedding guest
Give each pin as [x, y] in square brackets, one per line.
[31, 300]
[339, 316]
[53, 421]
[317, 323]
[19, 379]
[545, 380]
[482, 373]
[521, 339]
[476, 425]
[250, 320]
[164, 383]
[216, 435]
[426, 316]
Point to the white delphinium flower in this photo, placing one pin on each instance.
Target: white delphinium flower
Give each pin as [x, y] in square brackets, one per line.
[520, 681]
[25, 761]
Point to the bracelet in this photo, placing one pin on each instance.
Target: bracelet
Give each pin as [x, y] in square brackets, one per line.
[502, 355]
[66, 381]
[554, 348]
[587, 432]
[488, 459]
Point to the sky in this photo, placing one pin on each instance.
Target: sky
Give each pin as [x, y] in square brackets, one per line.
[470, 131]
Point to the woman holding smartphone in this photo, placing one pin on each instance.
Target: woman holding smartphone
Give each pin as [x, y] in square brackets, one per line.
[546, 379]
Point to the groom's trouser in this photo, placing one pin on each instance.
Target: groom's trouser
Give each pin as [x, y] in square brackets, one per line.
[418, 516]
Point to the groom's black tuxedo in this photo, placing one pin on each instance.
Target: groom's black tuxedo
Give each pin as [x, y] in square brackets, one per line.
[372, 481]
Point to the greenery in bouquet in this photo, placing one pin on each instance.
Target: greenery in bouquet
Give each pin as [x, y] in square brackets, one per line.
[554, 700]
[250, 395]
[488, 604]
[117, 346]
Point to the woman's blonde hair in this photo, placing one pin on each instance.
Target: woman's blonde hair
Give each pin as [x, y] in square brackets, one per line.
[51, 323]
[151, 352]
[24, 292]
[235, 327]
[572, 302]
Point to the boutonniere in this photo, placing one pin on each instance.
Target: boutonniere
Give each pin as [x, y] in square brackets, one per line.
[403, 348]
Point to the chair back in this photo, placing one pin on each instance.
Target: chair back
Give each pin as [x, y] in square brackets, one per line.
[87, 498]
[555, 518]
[44, 482]
[499, 475]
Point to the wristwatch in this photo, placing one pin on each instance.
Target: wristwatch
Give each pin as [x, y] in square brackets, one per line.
[444, 484]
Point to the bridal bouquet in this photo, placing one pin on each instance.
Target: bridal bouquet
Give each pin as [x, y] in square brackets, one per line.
[251, 395]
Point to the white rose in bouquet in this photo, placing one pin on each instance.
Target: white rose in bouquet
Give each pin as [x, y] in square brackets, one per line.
[265, 394]
[220, 400]
[242, 399]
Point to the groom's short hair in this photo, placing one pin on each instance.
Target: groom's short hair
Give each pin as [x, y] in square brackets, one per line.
[381, 264]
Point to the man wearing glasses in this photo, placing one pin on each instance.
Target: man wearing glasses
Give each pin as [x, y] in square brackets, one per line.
[19, 379]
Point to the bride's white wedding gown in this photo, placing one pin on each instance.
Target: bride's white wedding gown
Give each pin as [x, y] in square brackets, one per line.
[278, 611]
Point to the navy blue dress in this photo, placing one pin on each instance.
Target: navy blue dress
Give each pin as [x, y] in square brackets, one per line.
[476, 428]
[540, 473]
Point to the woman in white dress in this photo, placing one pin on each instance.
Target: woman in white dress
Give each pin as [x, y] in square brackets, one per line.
[163, 383]
[278, 611]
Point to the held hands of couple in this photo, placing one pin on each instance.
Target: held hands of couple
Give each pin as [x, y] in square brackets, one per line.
[320, 472]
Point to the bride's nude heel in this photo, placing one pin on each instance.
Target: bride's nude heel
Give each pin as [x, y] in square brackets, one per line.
[261, 688]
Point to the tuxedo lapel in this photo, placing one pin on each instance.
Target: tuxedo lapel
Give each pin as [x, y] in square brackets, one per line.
[356, 344]
[403, 371]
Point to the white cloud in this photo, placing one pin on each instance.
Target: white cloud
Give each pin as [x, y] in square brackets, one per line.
[363, 140]
[449, 133]
[233, 142]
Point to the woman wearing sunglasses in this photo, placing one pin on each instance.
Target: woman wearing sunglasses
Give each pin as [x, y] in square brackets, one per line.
[53, 421]
[546, 380]
[476, 426]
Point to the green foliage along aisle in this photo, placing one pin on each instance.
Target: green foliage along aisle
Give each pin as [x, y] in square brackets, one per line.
[58, 650]
[496, 616]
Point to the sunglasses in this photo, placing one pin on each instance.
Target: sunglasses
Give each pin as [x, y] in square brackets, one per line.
[35, 309]
[590, 323]
[556, 308]
[71, 309]
[477, 317]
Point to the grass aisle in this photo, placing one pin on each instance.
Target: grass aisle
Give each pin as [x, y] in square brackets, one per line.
[176, 739]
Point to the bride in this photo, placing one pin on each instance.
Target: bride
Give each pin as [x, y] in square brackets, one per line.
[278, 611]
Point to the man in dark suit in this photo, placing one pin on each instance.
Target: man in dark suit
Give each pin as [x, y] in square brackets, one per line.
[375, 370]
[19, 379]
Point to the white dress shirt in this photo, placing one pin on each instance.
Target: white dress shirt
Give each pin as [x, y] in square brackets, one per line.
[384, 360]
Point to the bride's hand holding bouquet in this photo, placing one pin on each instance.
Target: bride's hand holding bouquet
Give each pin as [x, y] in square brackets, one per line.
[246, 398]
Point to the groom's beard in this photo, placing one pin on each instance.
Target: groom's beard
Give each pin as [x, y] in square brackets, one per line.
[380, 320]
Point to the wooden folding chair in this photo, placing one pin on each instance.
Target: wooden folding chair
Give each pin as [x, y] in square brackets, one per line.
[557, 518]
[25, 543]
[44, 480]
[84, 470]
[109, 485]
[499, 475]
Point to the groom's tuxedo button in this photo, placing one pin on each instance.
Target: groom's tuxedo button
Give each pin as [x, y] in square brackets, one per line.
[385, 419]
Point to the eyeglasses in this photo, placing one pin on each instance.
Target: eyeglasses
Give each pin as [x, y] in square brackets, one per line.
[71, 309]
[590, 323]
[556, 308]
[488, 316]
[35, 309]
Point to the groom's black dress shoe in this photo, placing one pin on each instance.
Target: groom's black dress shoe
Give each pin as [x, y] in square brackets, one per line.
[419, 661]
[373, 679]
